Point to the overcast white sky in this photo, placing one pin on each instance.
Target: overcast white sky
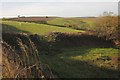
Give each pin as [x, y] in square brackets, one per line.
[59, 0]
[65, 8]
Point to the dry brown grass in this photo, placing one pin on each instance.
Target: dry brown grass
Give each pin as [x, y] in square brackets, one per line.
[24, 63]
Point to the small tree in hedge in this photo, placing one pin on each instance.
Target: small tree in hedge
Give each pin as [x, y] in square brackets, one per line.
[107, 26]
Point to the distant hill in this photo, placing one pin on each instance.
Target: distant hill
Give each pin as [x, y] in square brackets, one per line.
[32, 19]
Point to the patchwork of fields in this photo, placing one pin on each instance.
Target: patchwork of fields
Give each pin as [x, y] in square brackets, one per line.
[84, 61]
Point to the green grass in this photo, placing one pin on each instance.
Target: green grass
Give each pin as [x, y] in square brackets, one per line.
[57, 21]
[75, 23]
[40, 29]
[64, 21]
[81, 62]
[72, 62]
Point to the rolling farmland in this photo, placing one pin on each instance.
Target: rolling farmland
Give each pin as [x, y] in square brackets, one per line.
[35, 28]
[68, 49]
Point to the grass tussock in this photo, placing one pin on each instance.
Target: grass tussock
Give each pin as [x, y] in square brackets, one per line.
[23, 63]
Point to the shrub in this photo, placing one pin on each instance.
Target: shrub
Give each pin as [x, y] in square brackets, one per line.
[79, 39]
[107, 26]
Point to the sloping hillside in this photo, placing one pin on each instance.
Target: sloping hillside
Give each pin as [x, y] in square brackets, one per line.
[40, 29]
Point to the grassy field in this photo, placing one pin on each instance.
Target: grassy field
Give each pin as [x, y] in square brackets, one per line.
[73, 22]
[73, 62]
[63, 21]
[40, 29]
[82, 63]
